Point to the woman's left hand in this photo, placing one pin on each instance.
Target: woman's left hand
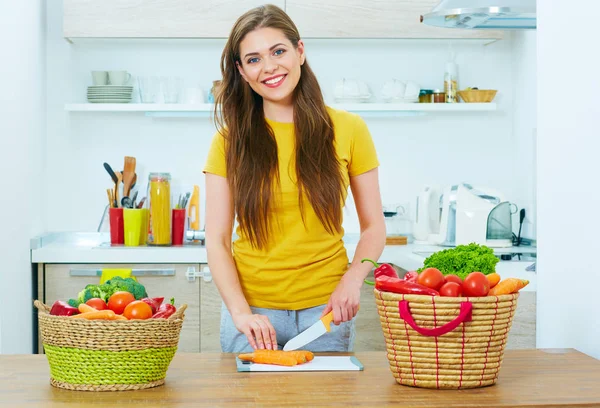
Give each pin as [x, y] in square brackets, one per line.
[344, 300]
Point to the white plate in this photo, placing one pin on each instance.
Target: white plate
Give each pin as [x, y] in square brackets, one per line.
[123, 95]
[109, 87]
[109, 100]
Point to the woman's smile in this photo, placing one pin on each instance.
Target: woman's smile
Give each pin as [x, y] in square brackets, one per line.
[274, 81]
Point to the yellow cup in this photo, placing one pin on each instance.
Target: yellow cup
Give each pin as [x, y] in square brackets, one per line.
[133, 219]
[144, 227]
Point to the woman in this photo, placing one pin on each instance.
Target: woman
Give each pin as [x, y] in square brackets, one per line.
[282, 163]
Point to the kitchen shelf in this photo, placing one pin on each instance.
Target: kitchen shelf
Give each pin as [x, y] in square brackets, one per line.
[370, 109]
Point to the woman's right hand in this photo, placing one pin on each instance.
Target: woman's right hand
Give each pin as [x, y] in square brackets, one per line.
[258, 329]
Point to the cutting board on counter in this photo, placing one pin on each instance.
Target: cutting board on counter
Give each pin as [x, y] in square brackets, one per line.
[319, 363]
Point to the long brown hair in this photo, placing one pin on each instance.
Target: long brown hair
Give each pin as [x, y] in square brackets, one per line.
[251, 149]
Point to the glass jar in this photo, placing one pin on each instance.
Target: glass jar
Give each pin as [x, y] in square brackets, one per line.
[426, 96]
[439, 96]
[159, 203]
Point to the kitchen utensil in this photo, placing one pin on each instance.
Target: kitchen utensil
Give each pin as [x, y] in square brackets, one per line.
[109, 195]
[133, 199]
[319, 363]
[126, 202]
[427, 213]
[116, 179]
[521, 218]
[194, 209]
[128, 174]
[141, 204]
[322, 326]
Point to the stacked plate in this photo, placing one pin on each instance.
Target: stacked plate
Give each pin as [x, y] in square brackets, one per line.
[109, 93]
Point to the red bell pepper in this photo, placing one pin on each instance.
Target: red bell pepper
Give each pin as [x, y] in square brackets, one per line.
[381, 270]
[60, 308]
[165, 310]
[154, 303]
[396, 285]
[411, 276]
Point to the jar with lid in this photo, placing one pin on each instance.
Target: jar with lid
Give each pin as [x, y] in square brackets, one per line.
[439, 96]
[159, 203]
[426, 96]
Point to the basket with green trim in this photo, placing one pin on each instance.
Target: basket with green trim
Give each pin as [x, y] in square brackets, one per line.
[108, 355]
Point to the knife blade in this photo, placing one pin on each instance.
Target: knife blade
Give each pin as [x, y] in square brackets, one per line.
[315, 331]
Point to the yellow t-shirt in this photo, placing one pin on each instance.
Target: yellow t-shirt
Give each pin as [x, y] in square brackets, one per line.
[303, 263]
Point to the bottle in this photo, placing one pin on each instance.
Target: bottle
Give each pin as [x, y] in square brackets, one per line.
[451, 82]
[159, 201]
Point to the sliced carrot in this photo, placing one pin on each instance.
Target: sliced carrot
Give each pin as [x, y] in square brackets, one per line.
[493, 279]
[276, 357]
[299, 356]
[96, 315]
[508, 286]
[83, 308]
[308, 355]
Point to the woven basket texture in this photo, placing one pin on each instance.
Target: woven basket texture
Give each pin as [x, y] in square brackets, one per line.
[108, 355]
[470, 356]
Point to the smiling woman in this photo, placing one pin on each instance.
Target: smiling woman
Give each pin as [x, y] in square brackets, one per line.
[281, 162]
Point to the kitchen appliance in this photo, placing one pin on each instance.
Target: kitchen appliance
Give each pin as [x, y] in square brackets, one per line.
[322, 326]
[483, 14]
[468, 214]
[427, 214]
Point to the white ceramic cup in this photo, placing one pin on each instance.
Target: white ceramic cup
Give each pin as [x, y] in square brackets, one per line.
[100, 77]
[118, 77]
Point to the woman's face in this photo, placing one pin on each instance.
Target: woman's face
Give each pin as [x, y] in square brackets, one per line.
[270, 64]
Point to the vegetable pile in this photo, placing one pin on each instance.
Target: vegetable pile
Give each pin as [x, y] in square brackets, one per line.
[462, 260]
[432, 282]
[116, 299]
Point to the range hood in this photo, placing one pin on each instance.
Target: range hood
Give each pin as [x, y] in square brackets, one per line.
[483, 14]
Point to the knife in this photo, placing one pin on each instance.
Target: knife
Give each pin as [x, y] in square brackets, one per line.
[315, 331]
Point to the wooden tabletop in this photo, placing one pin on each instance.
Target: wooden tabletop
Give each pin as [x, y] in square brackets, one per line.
[527, 378]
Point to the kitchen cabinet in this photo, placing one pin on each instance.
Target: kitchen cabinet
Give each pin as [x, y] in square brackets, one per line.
[153, 18]
[65, 281]
[372, 19]
[210, 313]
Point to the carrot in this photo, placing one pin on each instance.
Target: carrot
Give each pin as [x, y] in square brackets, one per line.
[120, 317]
[308, 355]
[508, 286]
[493, 279]
[276, 357]
[97, 314]
[83, 308]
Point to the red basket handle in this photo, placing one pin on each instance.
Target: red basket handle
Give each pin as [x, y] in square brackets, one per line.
[465, 315]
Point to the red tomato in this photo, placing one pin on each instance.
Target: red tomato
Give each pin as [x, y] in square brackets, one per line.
[138, 310]
[119, 300]
[454, 278]
[451, 289]
[432, 278]
[476, 284]
[97, 304]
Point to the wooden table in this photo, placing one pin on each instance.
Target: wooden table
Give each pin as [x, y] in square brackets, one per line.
[527, 378]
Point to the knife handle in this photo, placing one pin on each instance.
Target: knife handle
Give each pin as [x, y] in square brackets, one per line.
[327, 319]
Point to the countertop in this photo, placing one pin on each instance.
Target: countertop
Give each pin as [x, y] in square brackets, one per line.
[527, 378]
[89, 247]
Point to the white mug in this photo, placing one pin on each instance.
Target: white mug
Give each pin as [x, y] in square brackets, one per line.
[118, 77]
[100, 77]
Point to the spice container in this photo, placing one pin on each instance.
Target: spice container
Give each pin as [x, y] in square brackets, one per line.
[426, 96]
[439, 96]
[159, 201]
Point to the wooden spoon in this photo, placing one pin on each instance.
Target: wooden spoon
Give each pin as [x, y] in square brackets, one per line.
[128, 174]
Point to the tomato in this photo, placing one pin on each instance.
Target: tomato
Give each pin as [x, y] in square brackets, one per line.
[454, 278]
[432, 278]
[97, 304]
[476, 284]
[138, 310]
[119, 300]
[451, 289]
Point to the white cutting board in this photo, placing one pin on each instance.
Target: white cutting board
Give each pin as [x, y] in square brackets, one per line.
[319, 363]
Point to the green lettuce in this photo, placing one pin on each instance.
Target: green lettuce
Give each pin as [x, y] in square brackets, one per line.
[462, 260]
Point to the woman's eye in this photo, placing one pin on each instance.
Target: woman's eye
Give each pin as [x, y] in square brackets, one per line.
[252, 60]
[278, 52]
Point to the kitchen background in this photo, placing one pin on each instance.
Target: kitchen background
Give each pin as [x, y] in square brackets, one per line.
[52, 159]
[494, 149]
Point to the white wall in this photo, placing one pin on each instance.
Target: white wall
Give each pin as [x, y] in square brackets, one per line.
[415, 150]
[568, 169]
[22, 110]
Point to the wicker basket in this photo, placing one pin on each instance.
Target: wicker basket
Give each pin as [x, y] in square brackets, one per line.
[108, 355]
[445, 342]
[477, 95]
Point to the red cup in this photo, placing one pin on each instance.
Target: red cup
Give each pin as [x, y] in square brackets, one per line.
[177, 226]
[117, 236]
